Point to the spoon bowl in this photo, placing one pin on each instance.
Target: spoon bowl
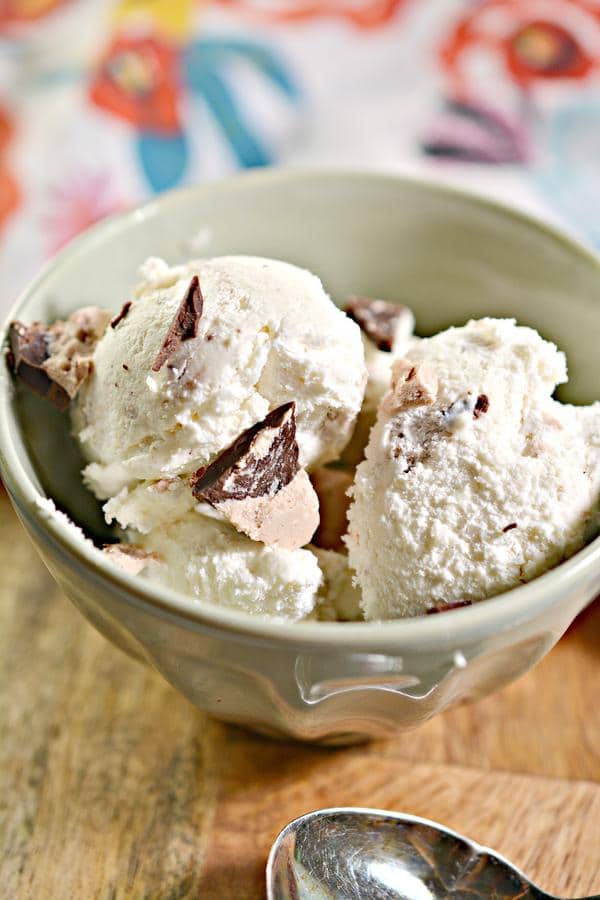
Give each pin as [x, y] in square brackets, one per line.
[355, 854]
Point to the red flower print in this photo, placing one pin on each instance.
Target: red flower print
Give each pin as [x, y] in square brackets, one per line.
[362, 13]
[136, 80]
[542, 49]
[535, 40]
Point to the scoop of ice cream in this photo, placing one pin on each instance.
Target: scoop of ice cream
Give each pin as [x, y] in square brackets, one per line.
[475, 479]
[203, 352]
[206, 558]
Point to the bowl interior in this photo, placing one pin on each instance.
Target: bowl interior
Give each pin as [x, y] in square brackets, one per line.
[445, 254]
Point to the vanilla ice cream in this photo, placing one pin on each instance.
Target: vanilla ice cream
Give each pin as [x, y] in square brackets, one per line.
[215, 411]
[206, 558]
[475, 479]
[338, 598]
[167, 396]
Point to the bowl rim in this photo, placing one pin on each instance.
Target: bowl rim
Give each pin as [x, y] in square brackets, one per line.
[497, 614]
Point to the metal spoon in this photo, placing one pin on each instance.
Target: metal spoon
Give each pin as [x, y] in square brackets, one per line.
[370, 854]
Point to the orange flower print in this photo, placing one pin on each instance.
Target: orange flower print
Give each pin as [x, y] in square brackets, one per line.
[20, 12]
[9, 194]
[9, 190]
[534, 40]
[361, 13]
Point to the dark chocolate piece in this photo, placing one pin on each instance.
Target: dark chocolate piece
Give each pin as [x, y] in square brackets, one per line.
[482, 404]
[185, 324]
[29, 349]
[245, 469]
[121, 315]
[444, 607]
[377, 318]
[509, 527]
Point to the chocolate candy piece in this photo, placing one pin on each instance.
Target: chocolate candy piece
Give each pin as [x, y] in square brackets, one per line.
[27, 354]
[184, 326]
[381, 321]
[262, 460]
[413, 384]
[257, 486]
[54, 360]
[287, 519]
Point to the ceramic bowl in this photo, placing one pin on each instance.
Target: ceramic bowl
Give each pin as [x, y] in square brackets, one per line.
[448, 255]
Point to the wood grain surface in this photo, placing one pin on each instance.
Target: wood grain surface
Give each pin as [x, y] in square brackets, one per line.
[112, 786]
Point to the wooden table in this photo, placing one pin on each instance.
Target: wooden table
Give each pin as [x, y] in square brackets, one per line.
[113, 786]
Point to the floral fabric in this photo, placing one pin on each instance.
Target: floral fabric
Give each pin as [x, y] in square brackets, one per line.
[104, 104]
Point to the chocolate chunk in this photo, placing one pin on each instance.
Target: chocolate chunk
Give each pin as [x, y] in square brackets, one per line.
[73, 345]
[261, 461]
[121, 315]
[444, 607]
[257, 486]
[379, 320]
[55, 360]
[411, 385]
[509, 527]
[29, 350]
[482, 404]
[185, 324]
[287, 519]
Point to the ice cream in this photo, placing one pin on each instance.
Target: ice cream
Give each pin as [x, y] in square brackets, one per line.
[338, 597]
[199, 406]
[475, 479]
[208, 559]
[216, 408]
[199, 354]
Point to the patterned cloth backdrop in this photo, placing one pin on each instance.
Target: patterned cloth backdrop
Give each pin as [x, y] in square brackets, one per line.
[104, 104]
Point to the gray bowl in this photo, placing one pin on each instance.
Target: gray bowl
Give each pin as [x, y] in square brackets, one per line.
[448, 255]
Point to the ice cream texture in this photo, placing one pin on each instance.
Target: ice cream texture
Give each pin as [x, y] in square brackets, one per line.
[214, 388]
[224, 412]
[206, 558]
[475, 479]
[267, 334]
